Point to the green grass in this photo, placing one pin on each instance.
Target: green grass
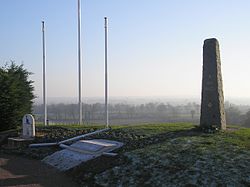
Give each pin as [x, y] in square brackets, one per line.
[166, 153]
[153, 129]
[140, 128]
[240, 137]
[236, 135]
[72, 126]
[185, 157]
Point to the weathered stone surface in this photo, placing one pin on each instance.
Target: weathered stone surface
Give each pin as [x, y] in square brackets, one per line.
[79, 152]
[212, 102]
[18, 142]
[28, 126]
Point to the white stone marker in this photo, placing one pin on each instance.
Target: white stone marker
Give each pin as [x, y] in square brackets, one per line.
[28, 126]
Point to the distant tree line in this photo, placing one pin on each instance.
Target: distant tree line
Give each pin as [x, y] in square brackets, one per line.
[237, 115]
[95, 112]
[128, 113]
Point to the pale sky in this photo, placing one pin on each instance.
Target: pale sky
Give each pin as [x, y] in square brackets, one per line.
[155, 46]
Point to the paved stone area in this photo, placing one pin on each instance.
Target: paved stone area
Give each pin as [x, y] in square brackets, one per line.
[22, 172]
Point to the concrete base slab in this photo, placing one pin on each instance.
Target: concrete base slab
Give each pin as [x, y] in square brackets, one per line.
[17, 142]
[79, 152]
[4, 135]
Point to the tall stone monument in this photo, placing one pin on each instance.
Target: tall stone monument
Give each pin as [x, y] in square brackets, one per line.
[212, 102]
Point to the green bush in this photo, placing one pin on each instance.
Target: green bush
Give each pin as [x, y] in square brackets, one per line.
[16, 95]
[247, 120]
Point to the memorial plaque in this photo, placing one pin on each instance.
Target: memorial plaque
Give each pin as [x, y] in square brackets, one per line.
[28, 126]
[79, 152]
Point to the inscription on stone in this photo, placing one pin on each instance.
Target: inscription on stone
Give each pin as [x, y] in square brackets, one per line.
[28, 126]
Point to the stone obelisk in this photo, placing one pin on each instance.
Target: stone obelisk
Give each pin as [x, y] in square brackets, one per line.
[212, 102]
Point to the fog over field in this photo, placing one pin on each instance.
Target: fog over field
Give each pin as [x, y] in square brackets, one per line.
[137, 100]
[136, 110]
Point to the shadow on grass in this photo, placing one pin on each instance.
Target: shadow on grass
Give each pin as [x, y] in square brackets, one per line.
[134, 141]
[131, 142]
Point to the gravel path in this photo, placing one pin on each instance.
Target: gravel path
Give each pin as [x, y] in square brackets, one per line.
[18, 171]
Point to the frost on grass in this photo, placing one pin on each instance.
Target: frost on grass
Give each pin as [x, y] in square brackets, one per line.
[200, 161]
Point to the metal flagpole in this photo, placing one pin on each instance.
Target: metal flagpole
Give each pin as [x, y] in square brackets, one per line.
[106, 71]
[79, 63]
[44, 76]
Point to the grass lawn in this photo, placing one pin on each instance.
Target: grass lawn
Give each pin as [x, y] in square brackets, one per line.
[160, 155]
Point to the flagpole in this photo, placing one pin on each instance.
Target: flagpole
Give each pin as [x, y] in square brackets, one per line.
[44, 76]
[79, 64]
[106, 71]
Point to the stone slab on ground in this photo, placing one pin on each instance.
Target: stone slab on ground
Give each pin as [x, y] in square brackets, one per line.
[17, 142]
[79, 152]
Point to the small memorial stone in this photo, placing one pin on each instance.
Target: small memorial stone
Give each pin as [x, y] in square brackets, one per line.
[28, 126]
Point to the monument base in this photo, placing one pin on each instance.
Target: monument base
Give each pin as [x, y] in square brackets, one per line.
[17, 142]
[6, 134]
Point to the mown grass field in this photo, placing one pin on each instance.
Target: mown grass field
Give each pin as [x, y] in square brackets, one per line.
[159, 155]
[186, 157]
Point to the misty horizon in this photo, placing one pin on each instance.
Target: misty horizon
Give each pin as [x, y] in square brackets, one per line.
[137, 100]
